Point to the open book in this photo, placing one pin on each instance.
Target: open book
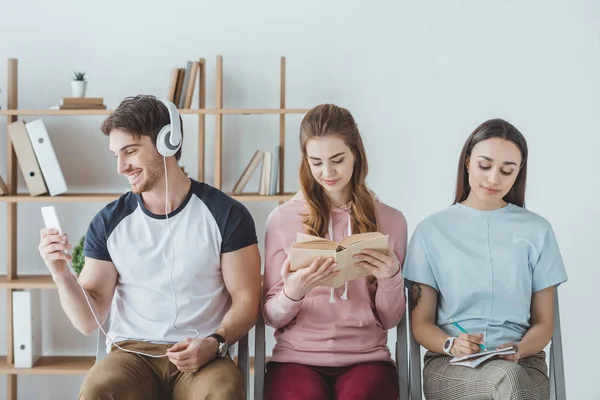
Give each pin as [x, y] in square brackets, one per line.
[308, 247]
[473, 360]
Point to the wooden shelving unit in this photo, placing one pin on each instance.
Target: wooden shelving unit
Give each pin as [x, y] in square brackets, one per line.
[27, 282]
[61, 365]
[182, 111]
[55, 365]
[108, 197]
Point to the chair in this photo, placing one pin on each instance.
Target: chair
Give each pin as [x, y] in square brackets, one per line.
[100, 342]
[260, 352]
[402, 359]
[414, 357]
[556, 371]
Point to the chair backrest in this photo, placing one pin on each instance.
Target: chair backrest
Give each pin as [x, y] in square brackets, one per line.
[101, 340]
[402, 366]
[414, 356]
[557, 368]
[260, 353]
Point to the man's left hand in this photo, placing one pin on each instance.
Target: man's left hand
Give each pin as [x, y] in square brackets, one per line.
[190, 355]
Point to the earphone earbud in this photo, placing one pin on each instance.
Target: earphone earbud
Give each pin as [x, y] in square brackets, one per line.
[168, 141]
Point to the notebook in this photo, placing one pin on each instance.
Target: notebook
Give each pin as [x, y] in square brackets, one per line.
[473, 360]
[308, 247]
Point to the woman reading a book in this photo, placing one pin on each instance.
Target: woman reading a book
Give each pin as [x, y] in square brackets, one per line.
[331, 342]
[484, 273]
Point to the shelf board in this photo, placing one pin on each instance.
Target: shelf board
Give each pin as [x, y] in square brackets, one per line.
[63, 198]
[248, 197]
[28, 282]
[108, 197]
[63, 365]
[183, 111]
[48, 365]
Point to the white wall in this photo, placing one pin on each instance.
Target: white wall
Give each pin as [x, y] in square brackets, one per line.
[418, 76]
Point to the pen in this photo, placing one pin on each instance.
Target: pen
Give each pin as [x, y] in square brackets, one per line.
[464, 331]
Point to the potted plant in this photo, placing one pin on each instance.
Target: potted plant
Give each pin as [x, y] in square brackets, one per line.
[78, 258]
[78, 84]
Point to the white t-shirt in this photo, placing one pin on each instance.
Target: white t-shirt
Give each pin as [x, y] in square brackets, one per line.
[207, 224]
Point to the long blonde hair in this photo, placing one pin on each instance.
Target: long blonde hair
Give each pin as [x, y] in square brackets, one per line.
[321, 121]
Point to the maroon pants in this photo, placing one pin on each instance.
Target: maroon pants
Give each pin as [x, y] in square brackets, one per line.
[370, 380]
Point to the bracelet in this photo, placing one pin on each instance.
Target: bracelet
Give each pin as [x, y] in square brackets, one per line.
[285, 294]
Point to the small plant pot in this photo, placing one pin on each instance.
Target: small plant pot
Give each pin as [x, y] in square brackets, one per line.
[78, 88]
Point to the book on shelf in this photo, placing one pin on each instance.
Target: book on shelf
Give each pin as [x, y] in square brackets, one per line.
[308, 247]
[274, 175]
[182, 82]
[26, 158]
[27, 327]
[44, 152]
[265, 174]
[3, 187]
[36, 158]
[248, 171]
[269, 172]
[80, 103]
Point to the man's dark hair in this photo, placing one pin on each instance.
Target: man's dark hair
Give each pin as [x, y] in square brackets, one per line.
[141, 115]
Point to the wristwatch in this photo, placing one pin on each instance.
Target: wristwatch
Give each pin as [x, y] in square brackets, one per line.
[223, 346]
[448, 345]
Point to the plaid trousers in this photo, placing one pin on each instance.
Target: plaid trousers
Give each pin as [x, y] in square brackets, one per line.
[495, 379]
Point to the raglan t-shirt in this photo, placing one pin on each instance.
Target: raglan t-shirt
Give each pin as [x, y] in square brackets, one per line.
[151, 267]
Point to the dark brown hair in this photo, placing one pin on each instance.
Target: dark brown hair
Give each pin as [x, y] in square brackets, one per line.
[321, 121]
[142, 115]
[493, 128]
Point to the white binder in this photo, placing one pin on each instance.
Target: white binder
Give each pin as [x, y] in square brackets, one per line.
[27, 329]
[46, 157]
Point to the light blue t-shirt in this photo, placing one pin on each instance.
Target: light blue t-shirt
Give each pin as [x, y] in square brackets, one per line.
[485, 266]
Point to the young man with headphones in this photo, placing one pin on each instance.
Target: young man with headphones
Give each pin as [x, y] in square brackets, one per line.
[174, 260]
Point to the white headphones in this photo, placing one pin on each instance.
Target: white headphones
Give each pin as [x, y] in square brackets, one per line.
[168, 141]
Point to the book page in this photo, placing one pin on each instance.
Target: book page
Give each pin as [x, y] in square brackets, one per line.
[360, 237]
[302, 258]
[317, 245]
[377, 242]
[303, 237]
[474, 360]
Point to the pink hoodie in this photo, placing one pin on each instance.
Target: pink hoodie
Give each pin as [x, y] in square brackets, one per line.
[314, 331]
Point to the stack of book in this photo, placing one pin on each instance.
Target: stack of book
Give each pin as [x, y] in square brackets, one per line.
[80, 103]
[268, 176]
[182, 83]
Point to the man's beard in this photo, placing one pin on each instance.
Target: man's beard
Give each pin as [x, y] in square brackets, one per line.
[154, 172]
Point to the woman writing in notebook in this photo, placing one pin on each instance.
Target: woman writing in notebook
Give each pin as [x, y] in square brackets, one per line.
[489, 266]
[332, 343]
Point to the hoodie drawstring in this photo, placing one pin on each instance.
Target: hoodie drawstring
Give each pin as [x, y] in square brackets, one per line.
[331, 291]
[345, 294]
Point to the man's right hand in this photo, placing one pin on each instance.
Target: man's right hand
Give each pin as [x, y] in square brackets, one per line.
[297, 284]
[466, 344]
[52, 249]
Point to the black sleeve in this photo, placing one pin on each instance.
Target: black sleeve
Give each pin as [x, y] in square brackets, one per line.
[95, 239]
[238, 229]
